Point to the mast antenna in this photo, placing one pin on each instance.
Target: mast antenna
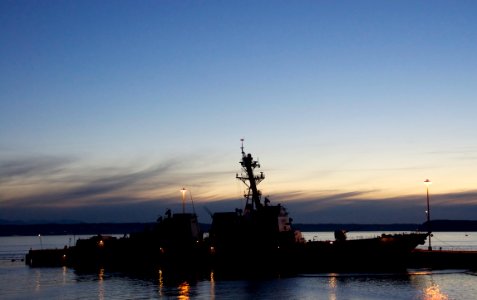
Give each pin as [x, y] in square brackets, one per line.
[241, 140]
[250, 179]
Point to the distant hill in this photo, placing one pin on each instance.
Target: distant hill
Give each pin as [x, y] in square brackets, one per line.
[14, 228]
[72, 229]
[451, 225]
[356, 227]
[36, 222]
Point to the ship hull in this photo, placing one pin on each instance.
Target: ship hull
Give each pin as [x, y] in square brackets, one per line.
[383, 253]
[386, 253]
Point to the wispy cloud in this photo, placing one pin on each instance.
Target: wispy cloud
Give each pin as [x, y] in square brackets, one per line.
[65, 186]
[365, 207]
[37, 182]
[32, 166]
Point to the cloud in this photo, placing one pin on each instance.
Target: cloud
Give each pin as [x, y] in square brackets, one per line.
[52, 188]
[32, 166]
[464, 198]
[352, 207]
[80, 188]
[107, 183]
[362, 207]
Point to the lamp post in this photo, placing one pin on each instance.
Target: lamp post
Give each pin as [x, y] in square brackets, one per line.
[427, 182]
[41, 242]
[183, 191]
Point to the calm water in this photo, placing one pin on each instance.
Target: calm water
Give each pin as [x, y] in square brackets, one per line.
[18, 281]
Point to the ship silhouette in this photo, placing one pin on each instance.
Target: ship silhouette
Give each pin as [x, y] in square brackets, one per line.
[258, 238]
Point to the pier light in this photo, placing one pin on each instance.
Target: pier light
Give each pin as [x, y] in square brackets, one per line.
[183, 191]
[427, 182]
[41, 241]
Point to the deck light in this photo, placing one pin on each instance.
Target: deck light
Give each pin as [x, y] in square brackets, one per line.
[183, 191]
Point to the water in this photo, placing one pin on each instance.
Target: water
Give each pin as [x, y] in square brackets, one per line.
[18, 281]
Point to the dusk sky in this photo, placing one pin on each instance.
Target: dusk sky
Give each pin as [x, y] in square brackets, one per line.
[109, 108]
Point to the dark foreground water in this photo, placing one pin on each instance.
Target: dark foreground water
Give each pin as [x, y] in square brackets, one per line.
[18, 281]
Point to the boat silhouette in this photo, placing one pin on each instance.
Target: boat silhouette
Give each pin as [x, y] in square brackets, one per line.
[258, 238]
[261, 237]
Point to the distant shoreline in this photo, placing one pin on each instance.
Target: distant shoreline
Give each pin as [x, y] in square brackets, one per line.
[126, 228]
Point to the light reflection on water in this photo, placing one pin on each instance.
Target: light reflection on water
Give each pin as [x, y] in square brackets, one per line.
[332, 283]
[18, 281]
[64, 283]
[184, 290]
[212, 285]
[161, 283]
[101, 284]
[434, 293]
[429, 286]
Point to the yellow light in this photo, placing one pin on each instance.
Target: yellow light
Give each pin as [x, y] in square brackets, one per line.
[101, 274]
[184, 290]
[434, 293]
[212, 276]
[161, 282]
[183, 191]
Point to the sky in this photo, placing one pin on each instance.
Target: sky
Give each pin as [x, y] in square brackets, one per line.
[109, 108]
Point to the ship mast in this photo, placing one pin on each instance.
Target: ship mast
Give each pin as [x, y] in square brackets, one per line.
[250, 179]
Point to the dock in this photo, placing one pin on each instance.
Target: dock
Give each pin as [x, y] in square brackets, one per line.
[418, 259]
[443, 259]
[49, 258]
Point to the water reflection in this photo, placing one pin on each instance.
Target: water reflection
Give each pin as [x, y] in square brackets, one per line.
[37, 280]
[161, 283]
[101, 284]
[418, 284]
[433, 292]
[212, 285]
[64, 275]
[184, 290]
[48, 283]
[425, 282]
[332, 283]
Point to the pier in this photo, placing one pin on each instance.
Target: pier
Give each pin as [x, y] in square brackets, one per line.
[49, 258]
[443, 259]
[418, 259]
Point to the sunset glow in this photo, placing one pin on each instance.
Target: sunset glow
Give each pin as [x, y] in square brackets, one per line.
[108, 110]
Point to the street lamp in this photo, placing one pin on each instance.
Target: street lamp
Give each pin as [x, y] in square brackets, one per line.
[41, 242]
[427, 182]
[183, 191]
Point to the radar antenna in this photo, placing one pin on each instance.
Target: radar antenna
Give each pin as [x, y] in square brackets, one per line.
[250, 179]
